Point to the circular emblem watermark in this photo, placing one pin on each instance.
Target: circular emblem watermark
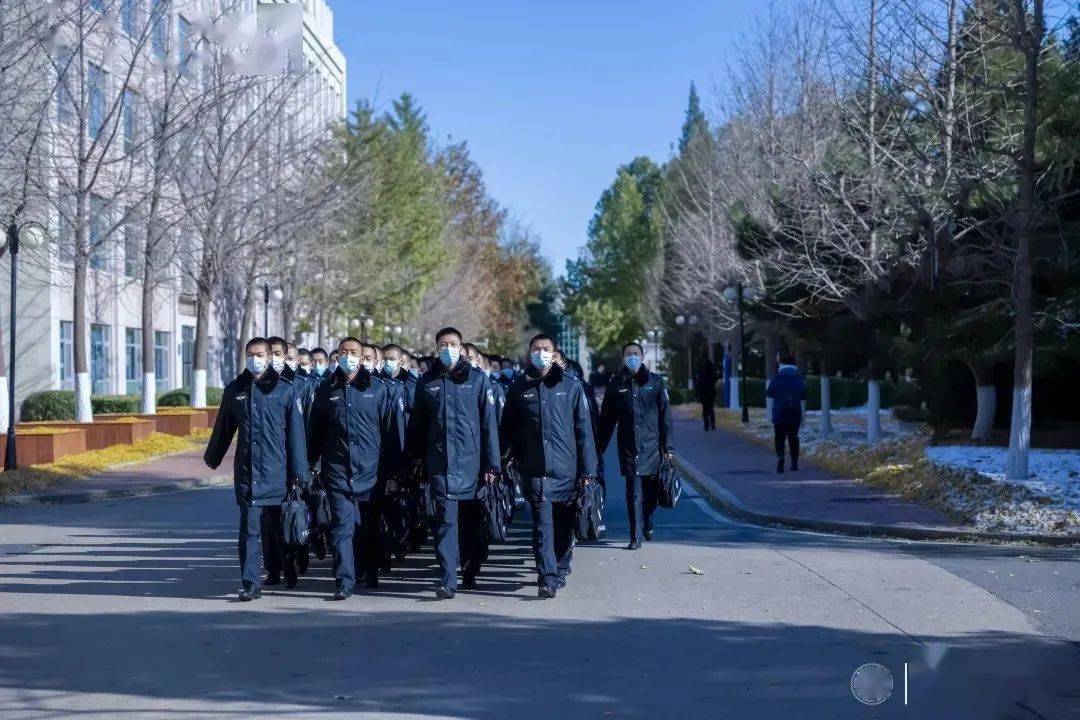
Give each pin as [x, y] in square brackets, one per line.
[872, 684]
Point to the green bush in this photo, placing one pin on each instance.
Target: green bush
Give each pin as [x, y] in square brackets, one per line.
[843, 392]
[181, 397]
[49, 405]
[910, 413]
[112, 404]
[680, 396]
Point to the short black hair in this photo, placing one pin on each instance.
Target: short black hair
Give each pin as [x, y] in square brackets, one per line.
[787, 359]
[257, 341]
[318, 350]
[291, 346]
[303, 351]
[334, 352]
[449, 330]
[350, 338]
[275, 340]
[543, 336]
[392, 346]
[633, 344]
[471, 347]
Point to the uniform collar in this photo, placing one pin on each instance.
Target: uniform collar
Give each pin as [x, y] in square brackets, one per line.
[362, 381]
[641, 376]
[266, 383]
[459, 373]
[553, 377]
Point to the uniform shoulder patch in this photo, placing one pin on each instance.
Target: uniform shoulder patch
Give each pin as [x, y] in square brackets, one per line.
[490, 397]
[299, 406]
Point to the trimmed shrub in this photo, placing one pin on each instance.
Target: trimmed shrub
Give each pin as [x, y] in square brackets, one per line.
[49, 405]
[843, 392]
[112, 404]
[181, 397]
[680, 396]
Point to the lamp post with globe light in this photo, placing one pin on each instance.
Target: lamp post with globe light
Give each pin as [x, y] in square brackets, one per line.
[739, 294]
[687, 322]
[267, 292]
[29, 235]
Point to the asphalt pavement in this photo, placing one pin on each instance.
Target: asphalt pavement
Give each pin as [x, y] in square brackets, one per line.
[125, 609]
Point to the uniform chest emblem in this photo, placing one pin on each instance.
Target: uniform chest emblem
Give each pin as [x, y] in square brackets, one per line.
[335, 398]
[490, 397]
[241, 397]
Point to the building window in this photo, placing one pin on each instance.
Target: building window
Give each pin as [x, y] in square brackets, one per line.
[67, 356]
[161, 360]
[187, 354]
[131, 111]
[99, 359]
[65, 238]
[159, 37]
[95, 80]
[133, 360]
[129, 17]
[65, 101]
[98, 5]
[132, 247]
[99, 222]
[187, 265]
[187, 44]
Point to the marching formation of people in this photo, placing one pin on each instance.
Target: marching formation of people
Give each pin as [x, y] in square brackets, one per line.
[386, 450]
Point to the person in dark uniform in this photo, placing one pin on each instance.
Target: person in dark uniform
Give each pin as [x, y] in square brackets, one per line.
[453, 430]
[547, 431]
[303, 362]
[395, 367]
[320, 366]
[356, 434]
[636, 401]
[594, 416]
[705, 387]
[266, 414]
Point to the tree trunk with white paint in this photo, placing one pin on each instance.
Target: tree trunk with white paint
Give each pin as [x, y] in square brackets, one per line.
[873, 411]
[149, 393]
[985, 405]
[4, 419]
[198, 388]
[825, 423]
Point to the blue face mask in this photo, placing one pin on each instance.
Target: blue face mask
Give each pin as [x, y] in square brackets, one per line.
[508, 373]
[414, 372]
[332, 367]
[632, 362]
[256, 365]
[349, 363]
[542, 359]
[318, 369]
[449, 355]
[390, 366]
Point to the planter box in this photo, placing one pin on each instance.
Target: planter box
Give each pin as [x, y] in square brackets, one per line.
[211, 415]
[36, 449]
[181, 425]
[104, 431]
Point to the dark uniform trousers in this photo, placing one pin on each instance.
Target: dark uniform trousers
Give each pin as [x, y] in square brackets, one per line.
[259, 537]
[458, 539]
[552, 534]
[353, 538]
[641, 494]
[473, 549]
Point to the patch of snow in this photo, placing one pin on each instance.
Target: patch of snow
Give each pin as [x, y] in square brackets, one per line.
[1055, 474]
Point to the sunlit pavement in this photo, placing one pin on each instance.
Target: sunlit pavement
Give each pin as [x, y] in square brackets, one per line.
[125, 609]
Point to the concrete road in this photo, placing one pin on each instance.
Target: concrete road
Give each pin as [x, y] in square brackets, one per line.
[124, 609]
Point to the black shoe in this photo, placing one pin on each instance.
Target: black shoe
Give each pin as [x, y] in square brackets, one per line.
[444, 593]
[249, 595]
[794, 464]
[546, 592]
[780, 464]
[560, 583]
[272, 580]
[649, 534]
[634, 545]
[290, 576]
[341, 595]
[468, 582]
[371, 580]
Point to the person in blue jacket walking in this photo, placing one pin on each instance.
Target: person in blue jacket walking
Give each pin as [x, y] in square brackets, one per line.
[453, 431]
[265, 413]
[788, 391]
[547, 432]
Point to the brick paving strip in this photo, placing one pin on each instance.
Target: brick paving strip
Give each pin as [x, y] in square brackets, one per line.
[181, 471]
[738, 476]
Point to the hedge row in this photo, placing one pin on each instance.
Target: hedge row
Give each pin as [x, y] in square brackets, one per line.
[843, 393]
[60, 404]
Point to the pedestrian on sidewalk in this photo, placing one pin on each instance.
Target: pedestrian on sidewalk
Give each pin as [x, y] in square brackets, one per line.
[265, 412]
[705, 386]
[637, 403]
[787, 391]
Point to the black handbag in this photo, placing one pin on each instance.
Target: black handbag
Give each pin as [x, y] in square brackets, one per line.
[396, 516]
[493, 502]
[589, 513]
[669, 484]
[296, 520]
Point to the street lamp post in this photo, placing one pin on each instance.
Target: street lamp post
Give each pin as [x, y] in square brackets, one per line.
[685, 323]
[738, 294]
[278, 295]
[32, 235]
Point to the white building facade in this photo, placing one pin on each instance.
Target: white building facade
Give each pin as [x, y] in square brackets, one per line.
[45, 304]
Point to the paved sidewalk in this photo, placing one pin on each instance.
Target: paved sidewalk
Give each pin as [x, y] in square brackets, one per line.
[182, 471]
[747, 470]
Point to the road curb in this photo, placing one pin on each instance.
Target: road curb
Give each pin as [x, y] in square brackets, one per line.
[90, 496]
[726, 502]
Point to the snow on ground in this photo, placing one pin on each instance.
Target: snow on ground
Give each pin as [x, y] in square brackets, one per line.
[1055, 474]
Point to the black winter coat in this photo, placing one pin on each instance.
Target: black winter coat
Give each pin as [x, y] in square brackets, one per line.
[547, 431]
[639, 406]
[453, 428]
[267, 416]
[356, 432]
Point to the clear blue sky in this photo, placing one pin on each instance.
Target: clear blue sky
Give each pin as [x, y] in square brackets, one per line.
[551, 96]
